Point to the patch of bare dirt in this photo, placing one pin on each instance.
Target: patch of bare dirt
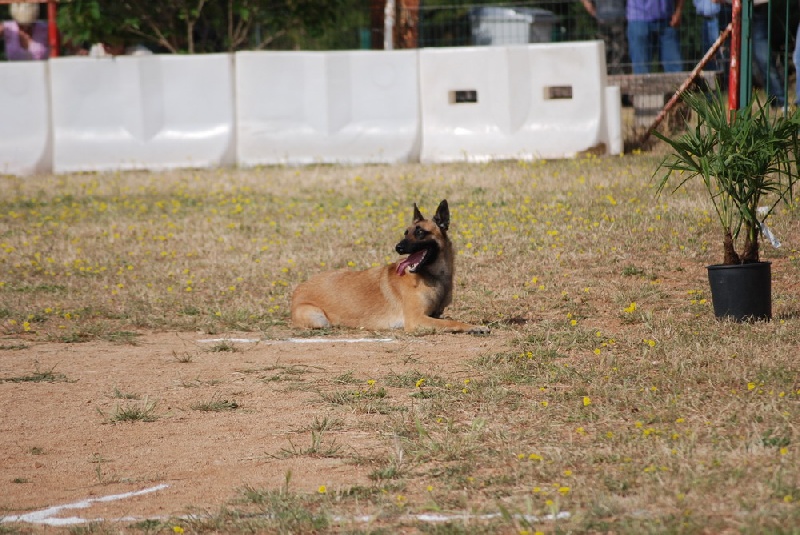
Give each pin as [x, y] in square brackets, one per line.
[58, 445]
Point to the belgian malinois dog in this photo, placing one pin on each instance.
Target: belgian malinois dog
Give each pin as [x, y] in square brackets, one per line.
[409, 294]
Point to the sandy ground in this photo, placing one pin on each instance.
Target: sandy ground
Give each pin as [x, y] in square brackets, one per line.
[58, 446]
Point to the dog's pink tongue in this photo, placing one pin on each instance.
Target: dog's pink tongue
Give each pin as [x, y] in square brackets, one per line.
[410, 260]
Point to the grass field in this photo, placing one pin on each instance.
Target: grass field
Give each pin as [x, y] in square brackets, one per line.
[620, 399]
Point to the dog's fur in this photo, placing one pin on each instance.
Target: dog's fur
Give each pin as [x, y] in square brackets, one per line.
[409, 294]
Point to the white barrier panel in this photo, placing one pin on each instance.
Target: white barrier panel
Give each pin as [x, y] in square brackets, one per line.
[25, 141]
[515, 102]
[133, 112]
[327, 107]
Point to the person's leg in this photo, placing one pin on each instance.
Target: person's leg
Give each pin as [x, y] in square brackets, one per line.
[603, 33]
[615, 35]
[724, 56]
[639, 46]
[797, 67]
[762, 56]
[710, 32]
[669, 46]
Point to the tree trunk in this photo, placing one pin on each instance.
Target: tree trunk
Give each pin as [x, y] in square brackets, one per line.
[730, 253]
[406, 28]
[190, 37]
[750, 251]
[192, 16]
[407, 23]
[376, 23]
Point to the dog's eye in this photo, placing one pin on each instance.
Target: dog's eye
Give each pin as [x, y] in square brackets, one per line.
[420, 233]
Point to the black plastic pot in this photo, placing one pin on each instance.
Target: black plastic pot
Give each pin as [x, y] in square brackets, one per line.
[741, 292]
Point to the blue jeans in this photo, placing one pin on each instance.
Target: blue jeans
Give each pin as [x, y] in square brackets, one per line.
[763, 64]
[797, 66]
[709, 31]
[644, 36]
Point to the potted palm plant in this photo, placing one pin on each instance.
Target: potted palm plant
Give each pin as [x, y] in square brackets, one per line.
[747, 162]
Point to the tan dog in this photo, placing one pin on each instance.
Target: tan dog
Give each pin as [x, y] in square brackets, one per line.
[408, 294]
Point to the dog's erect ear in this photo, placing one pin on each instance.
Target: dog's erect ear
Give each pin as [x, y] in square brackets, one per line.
[417, 214]
[442, 217]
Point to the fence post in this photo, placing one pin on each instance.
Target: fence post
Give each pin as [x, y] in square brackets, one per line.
[52, 29]
[733, 71]
[388, 25]
[746, 56]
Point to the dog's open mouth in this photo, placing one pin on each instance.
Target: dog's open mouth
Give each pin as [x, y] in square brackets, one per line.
[412, 262]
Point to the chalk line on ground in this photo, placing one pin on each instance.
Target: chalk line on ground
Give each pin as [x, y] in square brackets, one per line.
[433, 518]
[230, 340]
[332, 340]
[45, 516]
[322, 340]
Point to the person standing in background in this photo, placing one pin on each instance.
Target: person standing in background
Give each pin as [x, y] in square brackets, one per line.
[708, 12]
[764, 67]
[651, 22]
[796, 58]
[25, 37]
[610, 17]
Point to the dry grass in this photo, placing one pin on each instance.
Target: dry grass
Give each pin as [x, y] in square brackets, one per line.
[622, 401]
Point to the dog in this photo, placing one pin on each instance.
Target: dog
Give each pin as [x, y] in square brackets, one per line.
[410, 294]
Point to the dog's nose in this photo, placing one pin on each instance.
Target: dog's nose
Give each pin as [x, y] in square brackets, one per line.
[399, 248]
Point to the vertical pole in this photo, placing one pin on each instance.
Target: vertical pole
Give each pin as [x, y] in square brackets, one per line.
[388, 25]
[746, 56]
[52, 29]
[733, 72]
[420, 22]
[769, 51]
[786, 61]
[376, 9]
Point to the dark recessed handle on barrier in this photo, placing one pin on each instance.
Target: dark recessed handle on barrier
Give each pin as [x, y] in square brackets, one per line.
[559, 92]
[463, 96]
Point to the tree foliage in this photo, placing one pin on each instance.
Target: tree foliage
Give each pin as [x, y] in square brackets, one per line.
[199, 26]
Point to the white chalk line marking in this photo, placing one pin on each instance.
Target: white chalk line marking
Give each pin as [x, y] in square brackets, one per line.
[490, 516]
[229, 340]
[332, 340]
[296, 340]
[45, 516]
[439, 517]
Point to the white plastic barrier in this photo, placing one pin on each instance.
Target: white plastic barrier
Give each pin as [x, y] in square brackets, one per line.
[327, 107]
[25, 141]
[527, 102]
[132, 112]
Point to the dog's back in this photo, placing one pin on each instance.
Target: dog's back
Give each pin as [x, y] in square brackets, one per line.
[360, 299]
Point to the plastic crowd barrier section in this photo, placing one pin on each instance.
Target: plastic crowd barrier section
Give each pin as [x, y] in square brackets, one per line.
[515, 102]
[327, 107]
[25, 141]
[133, 112]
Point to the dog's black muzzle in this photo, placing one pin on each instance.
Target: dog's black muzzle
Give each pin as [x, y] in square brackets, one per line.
[403, 247]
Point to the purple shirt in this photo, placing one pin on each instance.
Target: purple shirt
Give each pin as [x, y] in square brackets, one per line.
[37, 48]
[648, 10]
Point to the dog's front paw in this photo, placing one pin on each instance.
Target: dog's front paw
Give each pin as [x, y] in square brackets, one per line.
[479, 330]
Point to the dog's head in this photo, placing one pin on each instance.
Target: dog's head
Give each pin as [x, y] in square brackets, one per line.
[423, 240]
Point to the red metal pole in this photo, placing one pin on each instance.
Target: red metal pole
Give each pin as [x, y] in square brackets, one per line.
[52, 28]
[736, 47]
